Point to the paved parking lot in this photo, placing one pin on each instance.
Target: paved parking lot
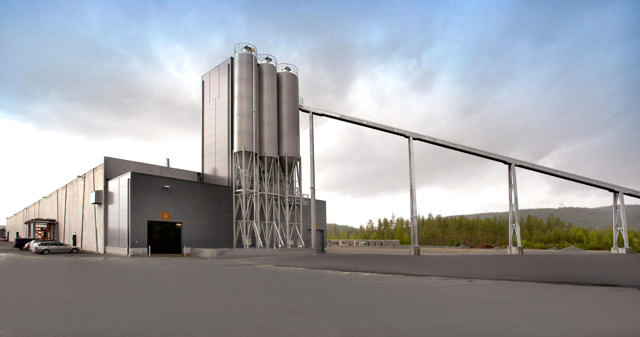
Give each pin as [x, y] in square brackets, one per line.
[578, 268]
[93, 295]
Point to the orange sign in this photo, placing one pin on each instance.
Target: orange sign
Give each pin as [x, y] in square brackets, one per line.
[166, 216]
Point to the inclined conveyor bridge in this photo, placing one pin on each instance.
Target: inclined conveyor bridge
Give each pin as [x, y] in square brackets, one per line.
[619, 213]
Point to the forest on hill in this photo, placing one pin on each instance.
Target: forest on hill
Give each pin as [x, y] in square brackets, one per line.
[599, 217]
[470, 231]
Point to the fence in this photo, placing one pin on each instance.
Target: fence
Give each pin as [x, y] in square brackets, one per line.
[364, 243]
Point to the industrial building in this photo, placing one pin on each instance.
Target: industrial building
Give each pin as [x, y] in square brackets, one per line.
[249, 191]
[248, 194]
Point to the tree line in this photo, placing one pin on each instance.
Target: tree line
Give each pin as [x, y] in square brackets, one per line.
[460, 230]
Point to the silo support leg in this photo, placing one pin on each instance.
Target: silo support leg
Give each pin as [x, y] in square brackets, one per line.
[619, 213]
[514, 218]
[278, 236]
[256, 233]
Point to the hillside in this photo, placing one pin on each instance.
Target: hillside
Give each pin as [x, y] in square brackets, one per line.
[600, 217]
[585, 228]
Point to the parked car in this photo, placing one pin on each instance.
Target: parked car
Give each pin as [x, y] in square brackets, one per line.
[48, 247]
[28, 244]
[20, 242]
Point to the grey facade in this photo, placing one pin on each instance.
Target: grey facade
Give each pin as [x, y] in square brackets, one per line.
[321, 222]
[204, 210]
[71, 206]
[109, 224]
[133, 195]
[216, 124]
[117, 200]
[133, 199]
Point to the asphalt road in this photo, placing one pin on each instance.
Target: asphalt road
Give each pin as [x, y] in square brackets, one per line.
[90, 295]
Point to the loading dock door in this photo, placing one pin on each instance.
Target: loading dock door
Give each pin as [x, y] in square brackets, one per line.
[164, 237]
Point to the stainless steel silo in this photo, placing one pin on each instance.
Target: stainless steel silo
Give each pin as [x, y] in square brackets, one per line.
[289, 152]
[268, 145]
[245, 89]
[288, 116]
[268, 105]
[246, 204]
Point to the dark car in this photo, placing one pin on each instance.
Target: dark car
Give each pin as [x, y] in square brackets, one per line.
[20, 242]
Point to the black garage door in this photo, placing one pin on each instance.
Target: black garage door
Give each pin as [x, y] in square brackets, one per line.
[164, 237]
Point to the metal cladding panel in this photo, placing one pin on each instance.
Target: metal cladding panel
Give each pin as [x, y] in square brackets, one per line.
[288, 115]
[48, 206]
[216, 119]
[74, 211]
[268, 103]
[113, 219]
[321, 218]
[62, 205]
[205, 210]
[99, 210]
[92, 225]
[245, 76]
[114, 167]
[118, 212]
[70, 207]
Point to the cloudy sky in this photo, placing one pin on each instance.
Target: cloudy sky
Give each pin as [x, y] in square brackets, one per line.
[555, 83]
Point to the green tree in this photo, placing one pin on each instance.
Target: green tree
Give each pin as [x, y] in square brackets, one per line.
[452, 231]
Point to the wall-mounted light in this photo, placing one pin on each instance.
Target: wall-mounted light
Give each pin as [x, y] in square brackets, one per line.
[179, 224]
[166, 187]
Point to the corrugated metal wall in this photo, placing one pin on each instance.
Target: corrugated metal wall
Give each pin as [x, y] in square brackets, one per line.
[114, 167]
[118, 214]
[71, 207]
[216, 119]
[204, 210]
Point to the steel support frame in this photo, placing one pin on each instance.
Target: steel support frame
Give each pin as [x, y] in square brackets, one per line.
[514, 217]
[620, 225]
[473, 151]
[270, 202]
[291, 204]
[514, 225]
[245, 200]
[312, 187]
[415, 246]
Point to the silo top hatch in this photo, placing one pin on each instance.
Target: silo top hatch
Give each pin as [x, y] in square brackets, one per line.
[266, 58]
[244, 47]
[287, 67]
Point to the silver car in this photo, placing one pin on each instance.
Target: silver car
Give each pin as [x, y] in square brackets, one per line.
[48, 247]
[27, 246]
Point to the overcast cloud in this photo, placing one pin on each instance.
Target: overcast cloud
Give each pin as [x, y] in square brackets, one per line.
[551, 82]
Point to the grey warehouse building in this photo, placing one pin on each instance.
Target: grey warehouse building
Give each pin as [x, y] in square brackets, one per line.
[125, 207]
[98, 210]
[248, 193]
